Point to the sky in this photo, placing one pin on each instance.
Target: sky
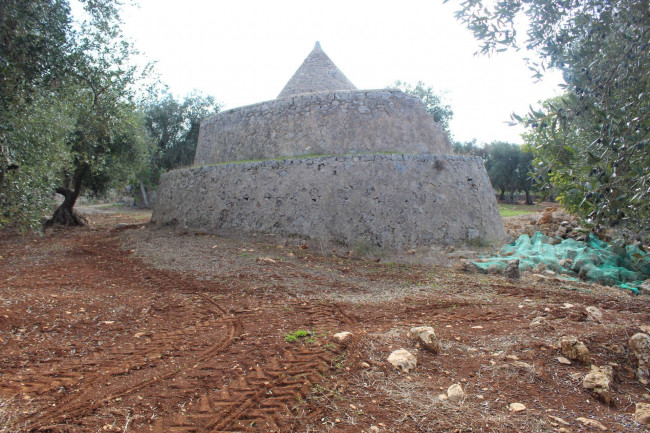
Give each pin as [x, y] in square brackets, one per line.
[244, 51]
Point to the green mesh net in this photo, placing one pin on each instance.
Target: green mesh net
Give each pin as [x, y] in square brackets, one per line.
[590, 260]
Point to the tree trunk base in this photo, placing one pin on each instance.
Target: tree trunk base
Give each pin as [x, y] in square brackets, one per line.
[65, 216]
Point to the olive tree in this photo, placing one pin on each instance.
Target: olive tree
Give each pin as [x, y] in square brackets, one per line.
[433, 102]
[603, 121]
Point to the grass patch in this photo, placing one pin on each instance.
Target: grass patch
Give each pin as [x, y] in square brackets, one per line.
[510, 210]
[109, 205]
[296, 335]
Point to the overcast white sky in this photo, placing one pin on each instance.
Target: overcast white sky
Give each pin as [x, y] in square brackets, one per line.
[244, 51]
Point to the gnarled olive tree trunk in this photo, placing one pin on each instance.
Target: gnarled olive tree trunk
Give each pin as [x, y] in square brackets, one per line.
[65, 214]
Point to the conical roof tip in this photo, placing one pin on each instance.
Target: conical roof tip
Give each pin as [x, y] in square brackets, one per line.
[316, 74]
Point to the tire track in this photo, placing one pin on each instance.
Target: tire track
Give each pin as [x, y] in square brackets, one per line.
[264, 397]
[80, 404]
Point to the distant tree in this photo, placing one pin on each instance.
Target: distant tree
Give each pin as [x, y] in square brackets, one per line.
[603, 121]
[470, 148]
[509, 169]
[520, 178]
[501, 163]
[433, 102]
[174, 127]
[524, 175]
[34, 58]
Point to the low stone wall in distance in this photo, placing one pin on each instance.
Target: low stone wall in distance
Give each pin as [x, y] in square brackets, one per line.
[330, 123]
[391, 201]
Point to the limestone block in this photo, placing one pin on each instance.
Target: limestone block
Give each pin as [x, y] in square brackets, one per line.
[591, 423]
[599, 381]
[426, 336]
[642, 413]
[403, 360]
[574, 349]
[640, 347]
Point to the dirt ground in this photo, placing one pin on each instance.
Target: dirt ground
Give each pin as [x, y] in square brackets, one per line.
[123, 327]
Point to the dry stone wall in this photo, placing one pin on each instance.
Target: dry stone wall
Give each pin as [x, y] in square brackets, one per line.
[330, 123]
[393, 201]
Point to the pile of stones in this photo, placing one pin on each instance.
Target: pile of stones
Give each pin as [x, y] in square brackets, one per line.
[554, 222]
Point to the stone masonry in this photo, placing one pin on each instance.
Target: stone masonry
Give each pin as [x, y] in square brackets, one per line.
[391, 201]
[330, 123]
[329, 162]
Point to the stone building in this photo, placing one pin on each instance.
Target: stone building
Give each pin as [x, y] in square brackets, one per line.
[330, 162]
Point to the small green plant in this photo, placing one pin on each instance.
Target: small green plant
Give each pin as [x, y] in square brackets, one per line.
[318, 389]
[295, 335]
[329, 346]
[339, 360]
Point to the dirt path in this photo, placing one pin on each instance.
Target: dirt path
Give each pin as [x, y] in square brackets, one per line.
[125, 328]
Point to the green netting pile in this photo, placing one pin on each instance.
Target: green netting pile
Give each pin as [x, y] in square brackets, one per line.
[591, 260]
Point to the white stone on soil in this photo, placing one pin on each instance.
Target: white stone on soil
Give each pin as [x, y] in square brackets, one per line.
[426, 336]
[403, 360]
[455, 393]
[591, 423]
[599, 380]
[640, 346]
[574, 349]
[594, 313]
[517, 407]
[342, 336]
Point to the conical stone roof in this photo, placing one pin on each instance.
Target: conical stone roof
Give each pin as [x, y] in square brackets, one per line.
[316, 74]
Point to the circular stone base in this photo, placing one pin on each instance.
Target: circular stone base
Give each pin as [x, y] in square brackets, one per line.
[394, 201]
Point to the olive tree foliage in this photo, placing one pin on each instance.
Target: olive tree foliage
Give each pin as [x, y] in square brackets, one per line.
[108, 142]
[68, 121]
[433, 102]
[174, 127]
[470, 148]
[509, 169]
[595, 140]
[34, 58]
